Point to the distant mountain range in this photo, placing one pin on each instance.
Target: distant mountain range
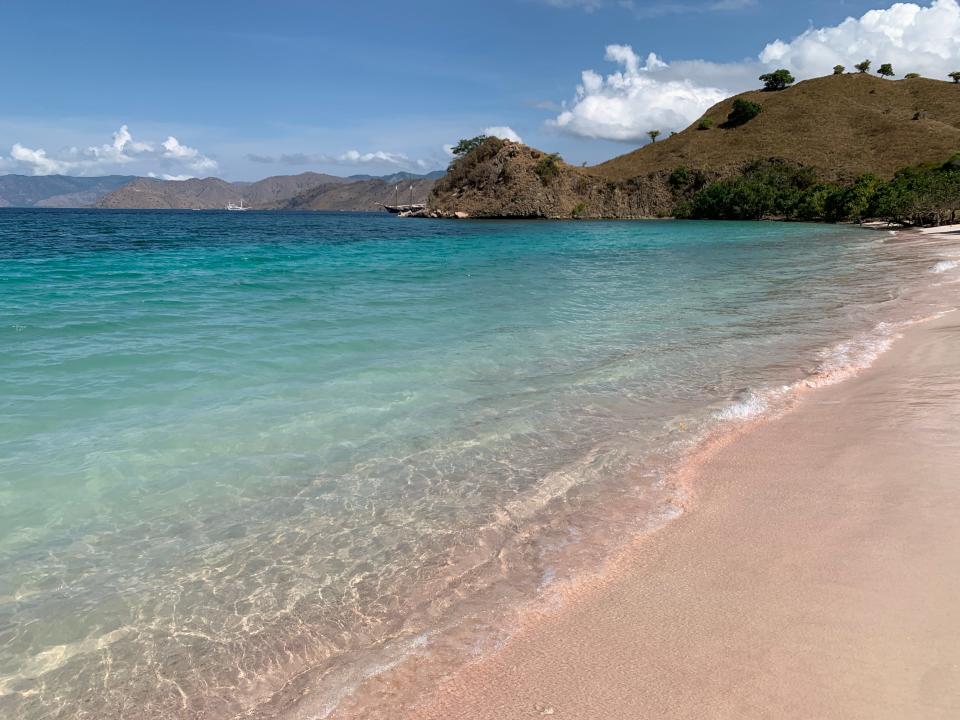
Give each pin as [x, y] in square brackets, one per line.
[362, 195]
[57, 190]
[307, 191]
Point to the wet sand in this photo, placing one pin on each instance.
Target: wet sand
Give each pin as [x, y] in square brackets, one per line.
[816, 575]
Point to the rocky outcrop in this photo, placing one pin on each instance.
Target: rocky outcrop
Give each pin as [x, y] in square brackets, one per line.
[505, 179]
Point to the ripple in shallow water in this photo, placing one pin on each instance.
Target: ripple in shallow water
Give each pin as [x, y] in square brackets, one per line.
[248, 459]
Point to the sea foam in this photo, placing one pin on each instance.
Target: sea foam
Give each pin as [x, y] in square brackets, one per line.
[944, 266]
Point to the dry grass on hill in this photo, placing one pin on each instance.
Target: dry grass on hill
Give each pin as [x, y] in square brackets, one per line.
[842, 125]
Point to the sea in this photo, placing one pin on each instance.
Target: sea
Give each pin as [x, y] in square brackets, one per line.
[251, 462]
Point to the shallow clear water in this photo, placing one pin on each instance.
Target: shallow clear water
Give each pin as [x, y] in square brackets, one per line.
[241, 449]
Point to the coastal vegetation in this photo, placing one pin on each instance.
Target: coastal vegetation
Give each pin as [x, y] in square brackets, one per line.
[862, 67]
[918, 195]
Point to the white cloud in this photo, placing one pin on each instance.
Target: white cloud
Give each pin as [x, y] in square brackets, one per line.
[188, 155]
[38, 162]
[347, 158]
[657, 95]
[101, 159]
[626, 104]
[166, 176]
[355, 157]
[504, 132]
[914, 38]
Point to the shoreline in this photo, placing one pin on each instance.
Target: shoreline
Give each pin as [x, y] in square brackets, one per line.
[813, 578]
[471, 689]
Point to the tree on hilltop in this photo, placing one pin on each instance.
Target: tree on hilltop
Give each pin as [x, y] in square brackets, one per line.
[654, 134]
[777, 80]
[839, 69]
[955, 76]
[911, 76]
[863, 66]
[886, 70]
[465, 147]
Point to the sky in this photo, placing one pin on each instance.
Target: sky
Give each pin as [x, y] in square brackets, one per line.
[251, 88]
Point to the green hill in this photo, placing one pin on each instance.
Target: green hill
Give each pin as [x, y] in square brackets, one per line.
[827, 130]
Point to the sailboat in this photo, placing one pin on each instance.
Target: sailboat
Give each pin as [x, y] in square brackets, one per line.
[241, 206]
[398, 208]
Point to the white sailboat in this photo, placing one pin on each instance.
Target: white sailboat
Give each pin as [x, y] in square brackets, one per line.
[231, 206]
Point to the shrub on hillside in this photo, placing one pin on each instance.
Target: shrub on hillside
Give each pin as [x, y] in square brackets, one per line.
[705, 124]
[862, 67]
[548, 167]
[955, 76]
[911, 76]
[839, 69]
[743, 111]
[886, 70]
[683, 181]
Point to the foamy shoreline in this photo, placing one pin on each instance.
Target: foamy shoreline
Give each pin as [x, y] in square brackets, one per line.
[538, 652]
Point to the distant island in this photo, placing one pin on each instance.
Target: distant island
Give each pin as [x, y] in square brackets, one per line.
[844, 147]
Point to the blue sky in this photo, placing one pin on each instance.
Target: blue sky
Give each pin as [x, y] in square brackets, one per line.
[253, 88]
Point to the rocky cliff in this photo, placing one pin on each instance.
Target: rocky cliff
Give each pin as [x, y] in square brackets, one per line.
[507, 179]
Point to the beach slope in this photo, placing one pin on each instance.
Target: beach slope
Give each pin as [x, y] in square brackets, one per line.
[817, 574]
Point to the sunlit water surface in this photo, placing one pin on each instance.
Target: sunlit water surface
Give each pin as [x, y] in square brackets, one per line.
[248, 457]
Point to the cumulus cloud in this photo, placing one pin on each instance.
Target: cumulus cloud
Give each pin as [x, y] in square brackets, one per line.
[122, 150]
[504, 132]
[626, 104]
[192, 157]
[38, 161]
[656, 95]
[914, 38]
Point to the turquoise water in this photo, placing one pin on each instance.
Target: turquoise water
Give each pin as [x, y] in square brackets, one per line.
[237, 449]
